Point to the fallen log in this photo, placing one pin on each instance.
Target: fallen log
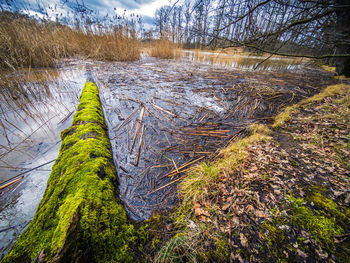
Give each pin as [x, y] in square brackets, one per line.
[79, 218]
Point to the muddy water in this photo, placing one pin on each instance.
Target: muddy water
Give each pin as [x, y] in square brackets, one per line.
[162, 116]
[35, 108]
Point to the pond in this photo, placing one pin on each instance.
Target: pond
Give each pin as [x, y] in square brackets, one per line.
[163, 116]
[239, 60]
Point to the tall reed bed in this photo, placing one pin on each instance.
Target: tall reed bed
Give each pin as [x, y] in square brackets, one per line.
[25, 42]
[162, 48]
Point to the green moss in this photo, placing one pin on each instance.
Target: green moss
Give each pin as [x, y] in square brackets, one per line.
[194, 185]
[222, 249]
[328, 206]
[322, 228]
[288, 112]
[277, 236]
[284, 116]
[317, 215]
[143, 236]
[80, 218]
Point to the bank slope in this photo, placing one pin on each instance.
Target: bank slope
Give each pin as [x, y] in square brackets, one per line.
[281, 194]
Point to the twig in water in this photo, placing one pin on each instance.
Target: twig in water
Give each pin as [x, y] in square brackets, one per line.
[65, 118]
[11, 183]
[164, 186]
[4, 184]
[139, 122]
[164, 110]
[132, 208]
[12, 149]
[140, 144]
[175, 172]
[125, 121]
[124, 170]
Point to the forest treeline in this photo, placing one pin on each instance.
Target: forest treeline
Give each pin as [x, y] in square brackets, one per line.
[315, 29]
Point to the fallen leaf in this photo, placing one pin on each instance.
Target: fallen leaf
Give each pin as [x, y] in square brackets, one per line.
[204, 218]
[235, 221]
[196, 205]
[244, 240]
[191, 224]
[261, 236]
[249, 208]
[259, 213]
[201, 212]
[225, 206]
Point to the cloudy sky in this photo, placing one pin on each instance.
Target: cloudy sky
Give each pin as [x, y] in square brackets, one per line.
[145, 8]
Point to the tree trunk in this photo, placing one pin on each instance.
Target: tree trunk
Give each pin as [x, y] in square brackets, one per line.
[342, 64]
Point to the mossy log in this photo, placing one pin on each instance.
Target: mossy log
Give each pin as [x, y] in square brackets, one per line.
[80, 218]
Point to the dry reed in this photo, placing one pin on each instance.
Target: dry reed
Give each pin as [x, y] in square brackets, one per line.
[162, 49]
[25, 42]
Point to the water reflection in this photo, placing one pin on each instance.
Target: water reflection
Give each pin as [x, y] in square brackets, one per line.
[35, 107]
[240, 61]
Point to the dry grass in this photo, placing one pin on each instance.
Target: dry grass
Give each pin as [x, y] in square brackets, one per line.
[332, 90]
[162, 49]
[25, 42]
[193, 187]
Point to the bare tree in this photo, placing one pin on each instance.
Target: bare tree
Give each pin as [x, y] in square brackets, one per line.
[317, 29]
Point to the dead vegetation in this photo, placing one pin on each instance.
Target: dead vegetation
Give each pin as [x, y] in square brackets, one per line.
[25, 42]
[278, 195]
[179, 131]
[162, 48]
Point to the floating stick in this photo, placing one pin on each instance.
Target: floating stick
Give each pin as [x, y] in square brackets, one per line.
[139, 122]
[164, 186]
[175, 172]
[10, 183]
[125, 121]
[4, 184]
[140, 144]
[164, 110]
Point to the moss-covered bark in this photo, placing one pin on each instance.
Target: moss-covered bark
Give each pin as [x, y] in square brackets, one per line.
[80, 218]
